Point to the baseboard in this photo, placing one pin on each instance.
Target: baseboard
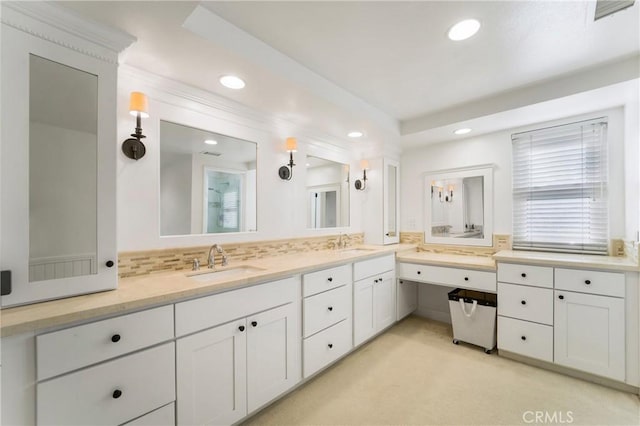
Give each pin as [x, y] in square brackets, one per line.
[570, 372]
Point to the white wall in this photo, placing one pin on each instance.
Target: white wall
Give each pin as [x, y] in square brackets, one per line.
[281, 205]
[62, 194]
[495, 148]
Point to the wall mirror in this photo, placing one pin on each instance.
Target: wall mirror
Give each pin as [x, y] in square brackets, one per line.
[327, 193]
[62, 170]
[459, 207]
[207, 182]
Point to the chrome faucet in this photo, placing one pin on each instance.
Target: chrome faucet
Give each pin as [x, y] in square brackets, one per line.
[211, 260]
[343, 239]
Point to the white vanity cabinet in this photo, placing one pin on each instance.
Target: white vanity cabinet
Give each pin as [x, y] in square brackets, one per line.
[327, 317]
[58, 164]
[374, 297]
[81, 381]
[589, 329]
[245, 351]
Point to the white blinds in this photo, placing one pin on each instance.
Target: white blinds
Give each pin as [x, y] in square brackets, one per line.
[560, 188]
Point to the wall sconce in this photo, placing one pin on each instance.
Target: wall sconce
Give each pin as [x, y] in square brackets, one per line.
[361, 185]
[286, 172]
[138, 107]
[449, 196]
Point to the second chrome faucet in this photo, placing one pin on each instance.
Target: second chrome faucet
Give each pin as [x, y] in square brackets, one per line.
[211, 259]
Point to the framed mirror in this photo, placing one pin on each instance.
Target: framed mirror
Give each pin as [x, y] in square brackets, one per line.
[207, 182]
[459, 207]
[327, 193]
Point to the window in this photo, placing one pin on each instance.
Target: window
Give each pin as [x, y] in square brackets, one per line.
[560, 188]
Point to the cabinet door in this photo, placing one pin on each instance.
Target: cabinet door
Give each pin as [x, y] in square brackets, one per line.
[273, 354]
[364, 322]
[407, 296]
[384, 302]
[57, 170]
[391, 204]
[211, 376]
[589, 333]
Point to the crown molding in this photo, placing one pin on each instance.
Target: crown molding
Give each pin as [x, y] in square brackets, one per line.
[61, 26]
[176, 93]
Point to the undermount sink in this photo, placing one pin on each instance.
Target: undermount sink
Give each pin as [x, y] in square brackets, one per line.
[224, 274]
[355, 250]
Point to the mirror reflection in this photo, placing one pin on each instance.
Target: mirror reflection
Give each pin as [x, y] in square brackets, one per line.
[207, 182]
[63, 139]
[327, 193]
[457, 207]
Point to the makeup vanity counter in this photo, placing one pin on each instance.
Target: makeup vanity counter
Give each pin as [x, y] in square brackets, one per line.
[168, 287]
[446, 259]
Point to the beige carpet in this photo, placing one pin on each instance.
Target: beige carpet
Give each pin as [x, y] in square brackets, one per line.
[413, 374]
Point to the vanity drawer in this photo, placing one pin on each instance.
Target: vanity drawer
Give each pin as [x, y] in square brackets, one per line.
[452, 277]
[375, 266]
[592, 282]
[319, 281]
[165, 416]
[145, 381]
[526, 338]
[326, 309]
[76, 347]
[526, 303]
[209, 311]
[325, 347]
[538, 276]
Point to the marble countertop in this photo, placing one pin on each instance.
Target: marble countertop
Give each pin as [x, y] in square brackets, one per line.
[621, 264]
[445, 259]
[168, 287]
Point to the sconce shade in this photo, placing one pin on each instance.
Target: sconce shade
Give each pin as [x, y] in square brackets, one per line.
[364, 164]
[292, 144]
[139, 104]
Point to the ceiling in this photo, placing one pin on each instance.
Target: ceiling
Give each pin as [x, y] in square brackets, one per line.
[385, 68]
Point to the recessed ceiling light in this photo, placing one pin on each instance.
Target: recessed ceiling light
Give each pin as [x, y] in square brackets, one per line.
[211, 142]
[308, 164]
[355, 134]
[464, 29]
[462, 131]
[232, 82]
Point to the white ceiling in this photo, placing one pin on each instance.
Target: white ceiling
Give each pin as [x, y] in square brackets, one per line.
[383, 67]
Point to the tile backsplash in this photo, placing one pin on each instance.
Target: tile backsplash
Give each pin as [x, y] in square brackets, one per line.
[135, 263]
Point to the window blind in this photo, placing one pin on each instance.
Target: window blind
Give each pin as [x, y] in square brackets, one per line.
[560, 188]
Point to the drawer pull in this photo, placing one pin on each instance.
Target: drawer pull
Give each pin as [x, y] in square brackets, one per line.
[523, 275]
[254, 323]
[116, 394]
[466, 278]
[561, 297]
[524, 302]
[375, 281]
[523, 337]
[330, 345]
[241, 328]
[587, 282]
[419, 272]
[115, 338]
[109, 263]
[330, 308]
[330, 279]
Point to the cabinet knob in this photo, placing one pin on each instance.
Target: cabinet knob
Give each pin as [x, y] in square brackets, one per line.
[375, 281]
[524, 302]
[561, 297]
[330, 308]
[419, 272]
[523, 337]
[330, 345]
[466, 278]
[116, 394]
[115, 338]
[241, 328]
[587, 282]
[109, 263]
[330, 279]
[254, 323]
[523, 275]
